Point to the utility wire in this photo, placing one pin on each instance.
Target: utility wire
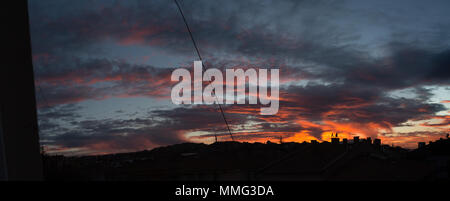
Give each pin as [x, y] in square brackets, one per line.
[203, 67]
[40, 92]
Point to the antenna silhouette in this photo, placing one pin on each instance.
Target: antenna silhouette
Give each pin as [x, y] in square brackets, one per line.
[203, 68]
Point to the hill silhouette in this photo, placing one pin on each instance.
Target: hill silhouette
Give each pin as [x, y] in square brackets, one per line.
[339, 160]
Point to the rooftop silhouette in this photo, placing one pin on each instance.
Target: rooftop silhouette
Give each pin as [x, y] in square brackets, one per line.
[357, 159]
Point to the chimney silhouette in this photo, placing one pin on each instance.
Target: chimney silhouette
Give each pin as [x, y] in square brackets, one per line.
[335, 140]
[421, 145]
[377, 142]
[356, 139]
[344, 141]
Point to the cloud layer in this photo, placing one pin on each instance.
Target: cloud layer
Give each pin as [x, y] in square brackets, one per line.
[353, 67]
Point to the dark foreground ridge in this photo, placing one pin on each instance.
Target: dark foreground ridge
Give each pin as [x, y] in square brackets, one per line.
[221, 161]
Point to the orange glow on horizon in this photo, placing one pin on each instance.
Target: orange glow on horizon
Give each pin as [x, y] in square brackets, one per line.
[302, 136]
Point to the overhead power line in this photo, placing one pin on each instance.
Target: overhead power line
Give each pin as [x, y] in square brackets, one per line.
[203, 67]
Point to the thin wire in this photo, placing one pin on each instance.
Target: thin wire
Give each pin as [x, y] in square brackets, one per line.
[41, 93]
[203, 67]
[189, 30]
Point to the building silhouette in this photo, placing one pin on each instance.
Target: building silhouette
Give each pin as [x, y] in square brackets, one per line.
[221, 161]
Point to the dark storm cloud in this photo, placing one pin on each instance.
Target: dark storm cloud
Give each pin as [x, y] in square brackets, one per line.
[440, 66]
[237, 28]
[406, 67]
[57, 32]
[250, 29]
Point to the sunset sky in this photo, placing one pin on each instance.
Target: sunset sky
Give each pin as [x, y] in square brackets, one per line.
[376, 68]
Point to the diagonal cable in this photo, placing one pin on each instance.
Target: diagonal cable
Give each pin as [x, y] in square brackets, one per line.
[203, 68]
